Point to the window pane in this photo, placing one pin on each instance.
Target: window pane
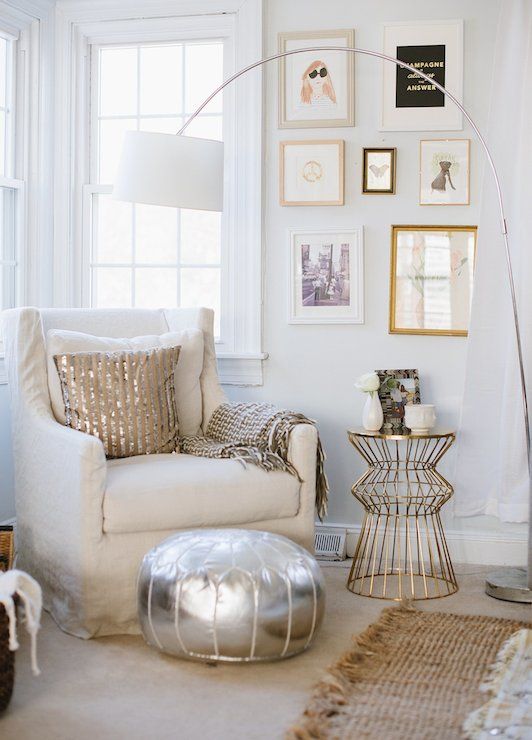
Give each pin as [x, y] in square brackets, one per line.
[156, 287]
[161, 79]
[3, 71]
[156, 234]
[204, 72]
[150, 87]
[206, 127]
[200, 286]
[2, 143]
[111, 139]
[112, 230]
[200, 237]
[170, 125]
[7, 224]
[7, 248]
[111, 287]
[7, 288]
[118, 82]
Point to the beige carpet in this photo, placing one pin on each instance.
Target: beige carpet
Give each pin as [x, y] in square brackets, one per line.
[117, 687]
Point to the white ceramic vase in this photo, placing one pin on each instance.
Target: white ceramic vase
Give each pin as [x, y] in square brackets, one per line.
[372, 416]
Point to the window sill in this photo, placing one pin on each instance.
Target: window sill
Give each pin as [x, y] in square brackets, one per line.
[241, 369]
[233, 369]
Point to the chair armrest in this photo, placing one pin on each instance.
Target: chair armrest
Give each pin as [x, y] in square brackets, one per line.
[302, 450]
[60, 477]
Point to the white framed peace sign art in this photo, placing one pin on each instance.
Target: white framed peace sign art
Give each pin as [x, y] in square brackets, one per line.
[311, 173]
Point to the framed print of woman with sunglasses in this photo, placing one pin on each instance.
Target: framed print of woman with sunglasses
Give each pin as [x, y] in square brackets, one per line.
[316, 88]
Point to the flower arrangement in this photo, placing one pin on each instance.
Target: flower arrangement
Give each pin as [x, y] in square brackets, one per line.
[368, 383]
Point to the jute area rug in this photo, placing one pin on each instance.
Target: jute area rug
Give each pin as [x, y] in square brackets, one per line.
[410, 675]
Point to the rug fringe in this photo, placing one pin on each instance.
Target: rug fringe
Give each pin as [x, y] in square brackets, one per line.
[330, 695]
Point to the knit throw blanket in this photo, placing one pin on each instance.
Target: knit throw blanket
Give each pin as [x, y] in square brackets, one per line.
[259, 434]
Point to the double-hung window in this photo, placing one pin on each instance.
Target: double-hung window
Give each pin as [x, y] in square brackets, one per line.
[11, 191]
[150, 73]
[140, 255]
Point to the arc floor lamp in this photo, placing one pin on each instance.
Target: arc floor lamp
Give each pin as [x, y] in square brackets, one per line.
[186, 172]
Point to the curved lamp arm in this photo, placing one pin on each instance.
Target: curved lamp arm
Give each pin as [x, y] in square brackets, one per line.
[513, 586]
[504, 230]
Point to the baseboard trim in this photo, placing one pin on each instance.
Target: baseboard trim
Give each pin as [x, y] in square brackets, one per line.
[474, 547]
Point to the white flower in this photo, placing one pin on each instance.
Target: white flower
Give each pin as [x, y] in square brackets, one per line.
[368, 383]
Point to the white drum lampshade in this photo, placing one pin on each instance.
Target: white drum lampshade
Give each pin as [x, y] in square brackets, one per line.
[171, 170]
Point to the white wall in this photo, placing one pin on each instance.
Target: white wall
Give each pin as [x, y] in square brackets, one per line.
[312, 368]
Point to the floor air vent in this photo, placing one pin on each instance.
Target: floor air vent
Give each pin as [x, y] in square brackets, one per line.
[330, 544]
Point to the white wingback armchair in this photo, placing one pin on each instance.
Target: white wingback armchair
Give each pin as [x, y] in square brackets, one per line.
[83, 522]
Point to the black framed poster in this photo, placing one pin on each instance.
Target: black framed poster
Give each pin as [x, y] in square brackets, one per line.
[409, 102]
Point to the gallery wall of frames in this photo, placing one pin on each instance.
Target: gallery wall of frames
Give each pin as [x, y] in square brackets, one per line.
[370, 153]
[431, 266]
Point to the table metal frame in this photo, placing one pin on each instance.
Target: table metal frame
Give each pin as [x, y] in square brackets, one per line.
[402, 551]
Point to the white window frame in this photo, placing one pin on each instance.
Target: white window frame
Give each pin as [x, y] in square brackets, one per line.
[27, 23]
[13, 155]
[82, 24]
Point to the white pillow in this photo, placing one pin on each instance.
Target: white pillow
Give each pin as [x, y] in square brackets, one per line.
[187, 375]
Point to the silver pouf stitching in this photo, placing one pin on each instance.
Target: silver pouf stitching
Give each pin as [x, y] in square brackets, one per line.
[230, 595]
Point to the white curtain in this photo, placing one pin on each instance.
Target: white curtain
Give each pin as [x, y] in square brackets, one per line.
[491, 476]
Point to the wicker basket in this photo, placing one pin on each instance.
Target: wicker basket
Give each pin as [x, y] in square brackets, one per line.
[7, 656]
[7, 661]
[7, 547]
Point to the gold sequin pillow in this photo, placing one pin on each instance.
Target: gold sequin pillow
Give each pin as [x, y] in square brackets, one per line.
[125, 398]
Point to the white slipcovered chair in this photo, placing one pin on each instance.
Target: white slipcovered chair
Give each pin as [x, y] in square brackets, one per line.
[83, 522]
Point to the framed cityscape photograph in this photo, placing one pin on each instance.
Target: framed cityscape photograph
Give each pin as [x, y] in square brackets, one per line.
[326, 276]
[311, 173]
[410, 103]
[431, 279]
[316, 89]
[444, 172]
[378, 171]
[398, 388]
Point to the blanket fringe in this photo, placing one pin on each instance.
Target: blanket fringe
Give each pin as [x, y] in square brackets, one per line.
[258, 434]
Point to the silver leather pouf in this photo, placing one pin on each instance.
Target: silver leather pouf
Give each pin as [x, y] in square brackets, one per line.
[230, 595]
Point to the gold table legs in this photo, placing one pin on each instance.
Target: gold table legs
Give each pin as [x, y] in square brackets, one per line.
[401, 550]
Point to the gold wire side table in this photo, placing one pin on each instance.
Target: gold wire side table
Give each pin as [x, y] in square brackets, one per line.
[402, 551]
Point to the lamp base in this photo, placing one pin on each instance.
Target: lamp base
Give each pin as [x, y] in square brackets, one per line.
[509, 584]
